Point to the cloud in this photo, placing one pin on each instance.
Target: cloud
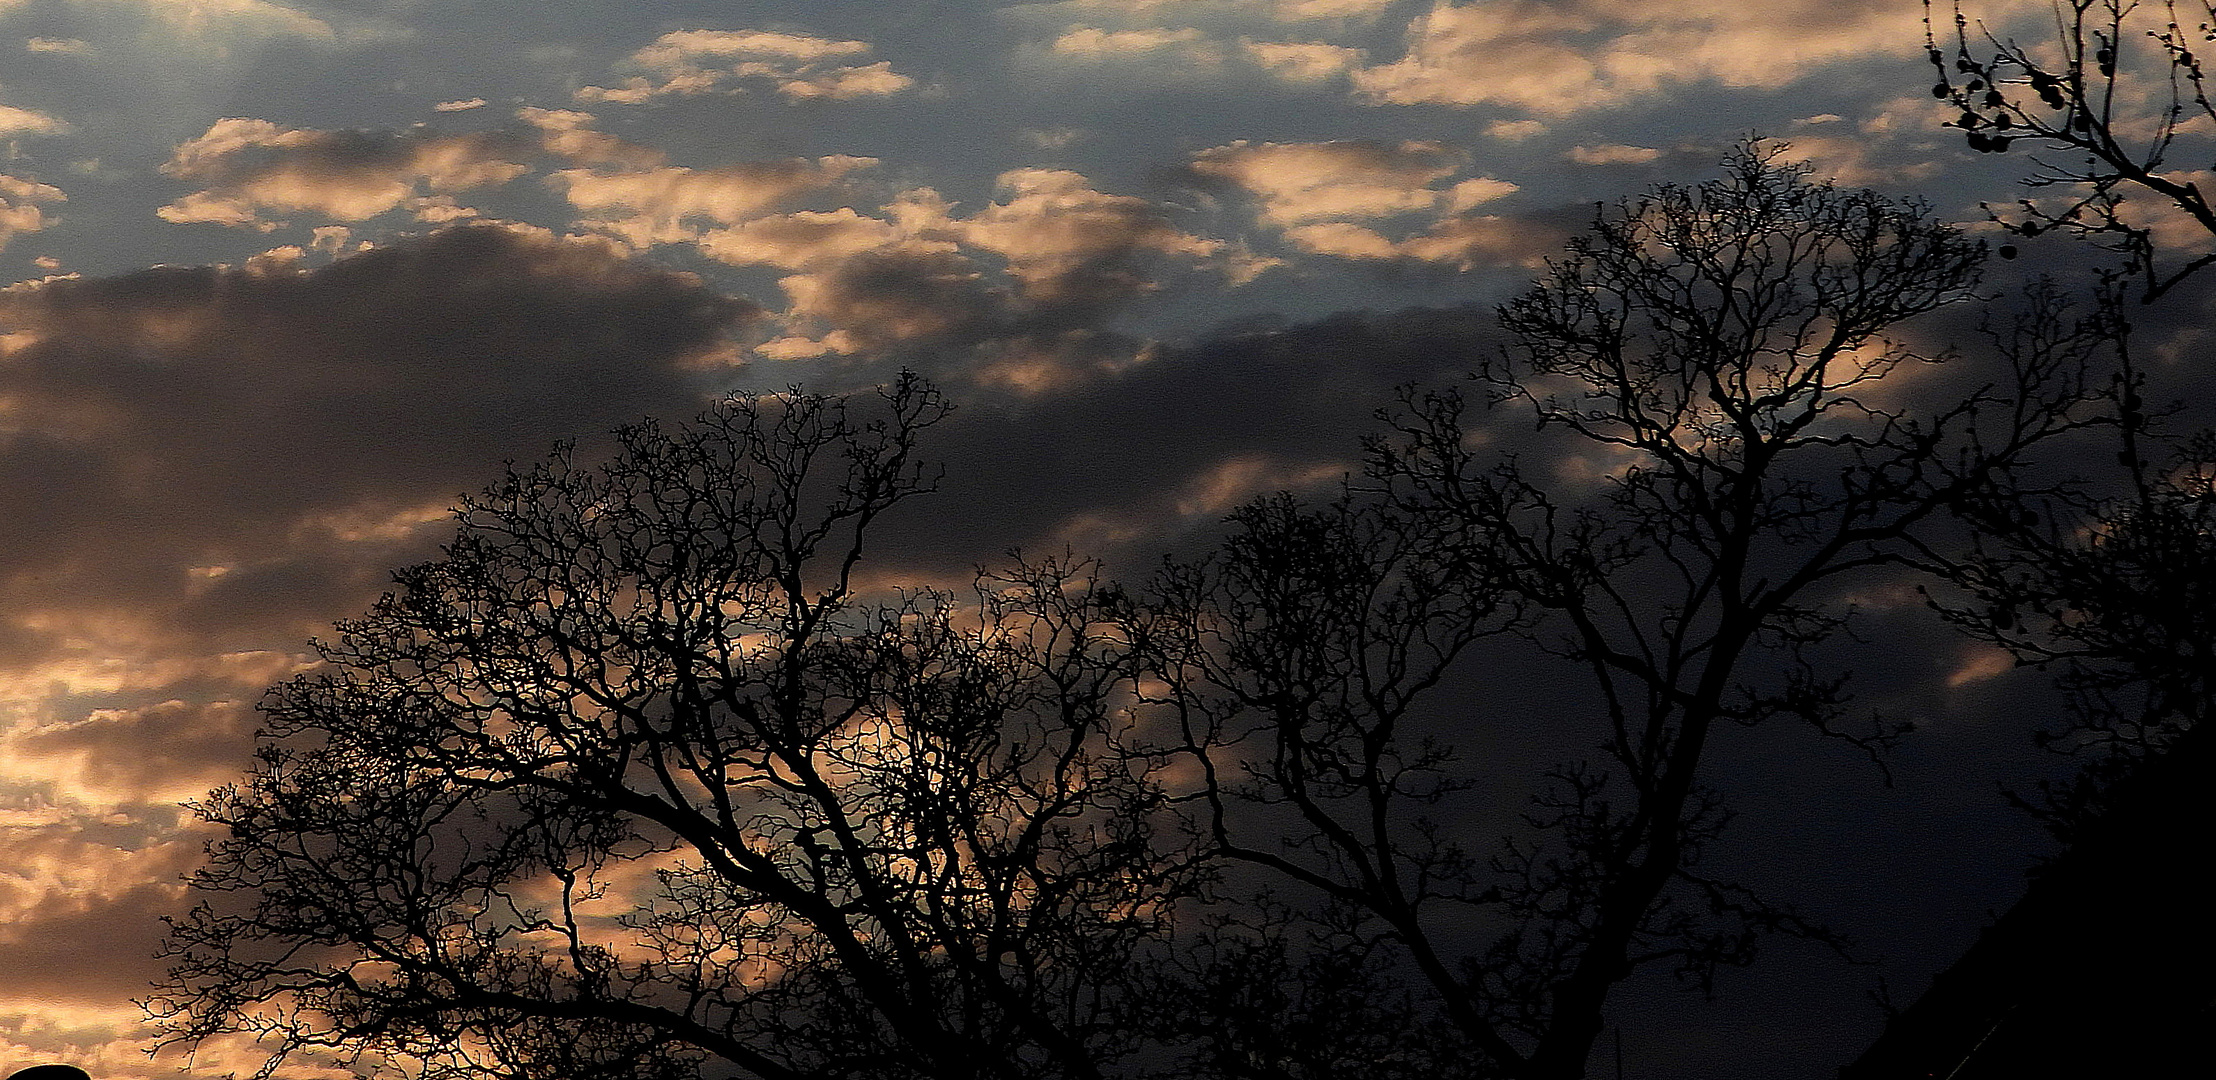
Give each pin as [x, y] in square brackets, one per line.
[461, 105]
[1093, 43]
[687, 63]
[71, 46]
[163, 753]
[1298, 182]
[208, 463]
[16, 121]
[1612, 154]
[1462, 243]
[804, 239]
[1333, 198]
[1890, 146]
[1026, 282]
[1193, 12]
[1153, 452]
[22, 205]
[1561, 57]
[1203, 497]
[208, 16]
[222, 22]
[570, 135]
[674, 204]
[1067, 244]
[1515, 130]
[1183, 40]
[896, 296]
[1179, 54]
[255, 169]
[1032, 272]
[1312, 61]
[67, 954]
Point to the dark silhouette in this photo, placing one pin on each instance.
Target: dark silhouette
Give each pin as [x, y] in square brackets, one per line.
[2107, 966]
[2103, 967]
[1722, 355]
[630, 782]
[50, 1072]
[2114, 86]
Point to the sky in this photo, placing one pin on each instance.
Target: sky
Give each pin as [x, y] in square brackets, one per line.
[290, 276]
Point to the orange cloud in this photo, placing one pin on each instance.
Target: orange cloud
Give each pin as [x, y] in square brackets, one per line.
[570, 135]
[206, 465]
[1199, 11]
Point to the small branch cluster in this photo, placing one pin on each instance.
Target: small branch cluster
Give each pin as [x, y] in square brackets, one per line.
[2120, 90]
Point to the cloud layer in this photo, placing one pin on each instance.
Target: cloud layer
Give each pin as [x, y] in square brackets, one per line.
[291, 274]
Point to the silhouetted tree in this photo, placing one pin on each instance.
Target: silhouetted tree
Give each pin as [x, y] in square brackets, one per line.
[2104, 967]
[2116, 87]
[633, 782]
[1291, 665]
[2119, 598]
[1724, 360]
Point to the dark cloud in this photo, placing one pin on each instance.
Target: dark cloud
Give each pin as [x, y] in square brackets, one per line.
[191, 439]
[172, 751]
[1148, 456]
[64, 951]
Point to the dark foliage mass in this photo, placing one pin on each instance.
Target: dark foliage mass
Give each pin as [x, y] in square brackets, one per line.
[647, 777]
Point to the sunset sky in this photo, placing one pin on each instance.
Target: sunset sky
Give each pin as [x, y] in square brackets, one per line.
[293, 274]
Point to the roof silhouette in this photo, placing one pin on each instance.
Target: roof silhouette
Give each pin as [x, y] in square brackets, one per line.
[2106, 967]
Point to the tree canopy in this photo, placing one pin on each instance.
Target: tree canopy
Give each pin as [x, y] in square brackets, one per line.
[642, 778]
[632, 778]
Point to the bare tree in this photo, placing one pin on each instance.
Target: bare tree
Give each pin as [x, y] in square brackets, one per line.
[633, 782]
[2117, 97]
[1725, 355]
[1291, 666]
